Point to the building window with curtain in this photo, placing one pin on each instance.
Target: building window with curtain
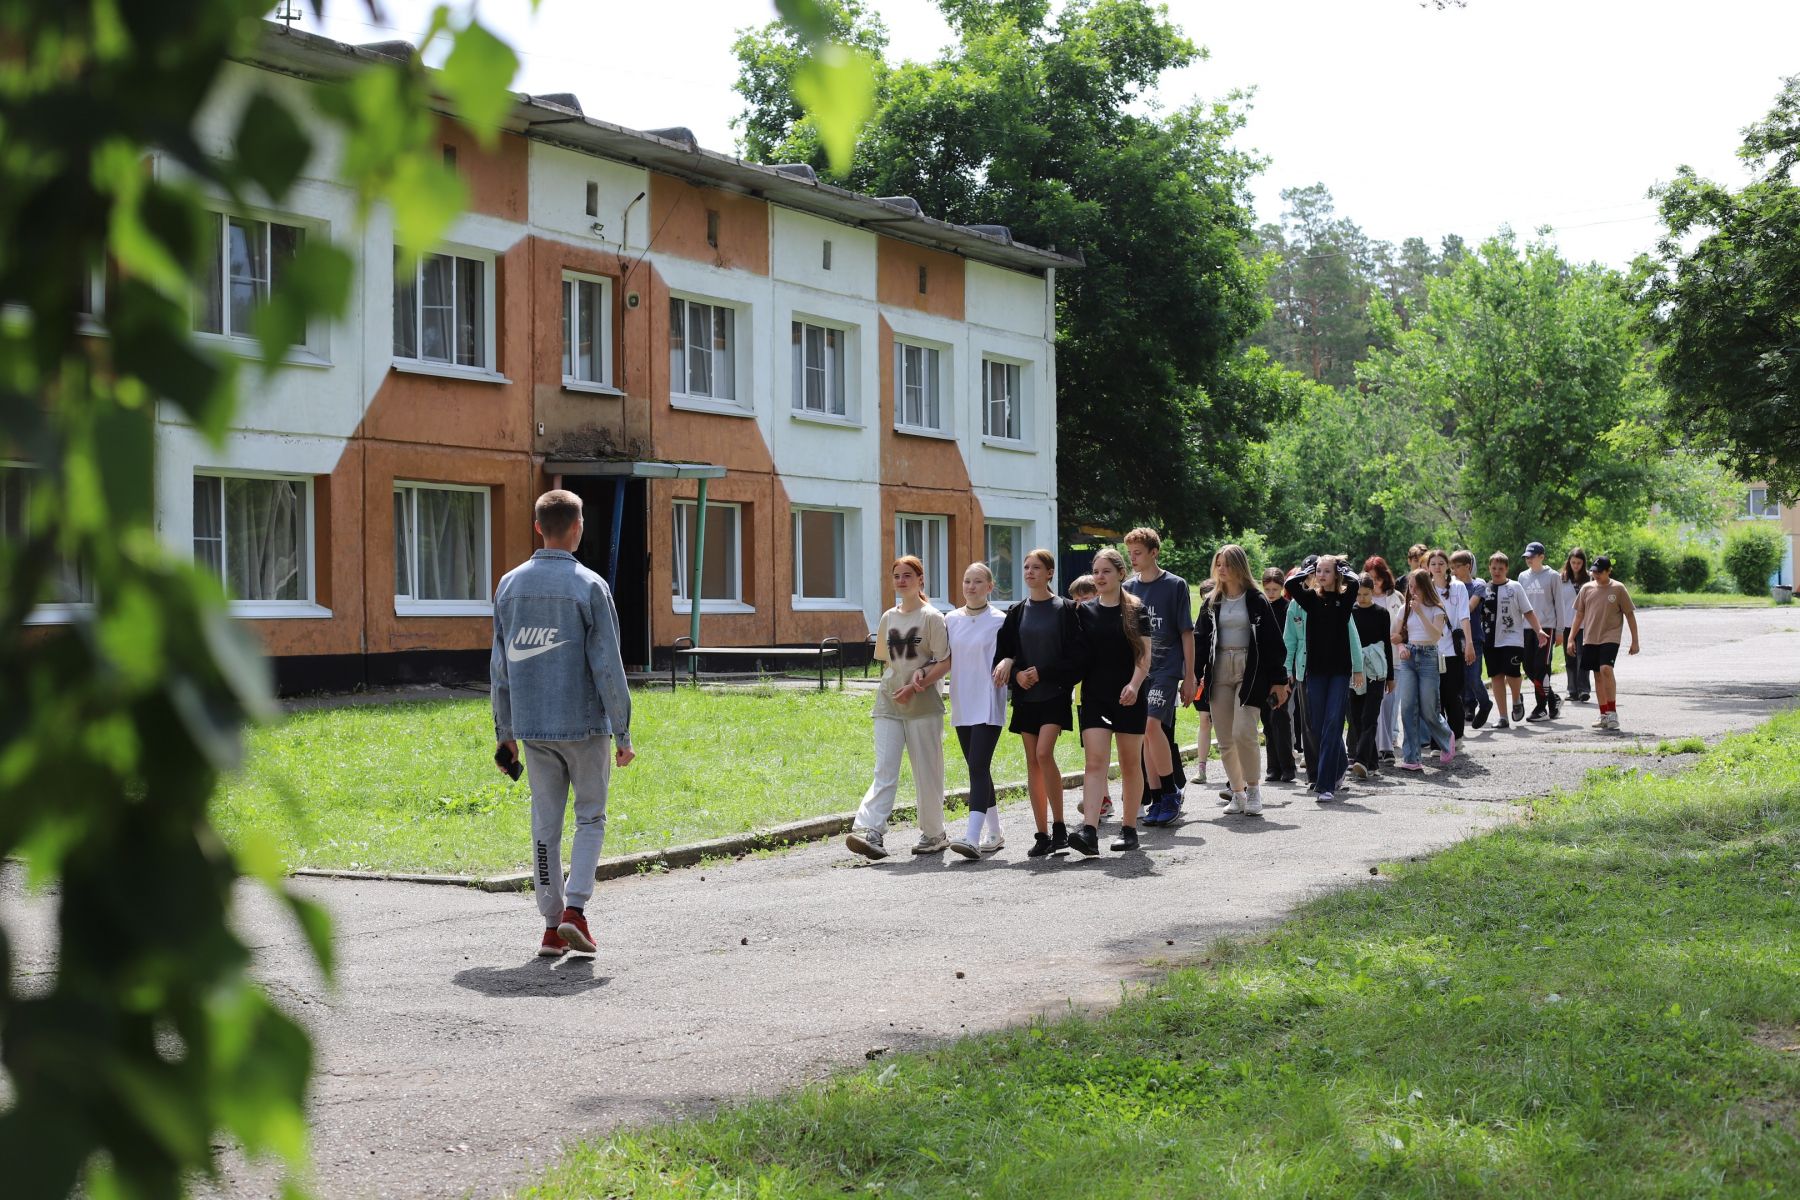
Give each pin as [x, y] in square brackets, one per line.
[441, 550]
[587, 329]
[443, 311]
[702, 352]
[241, 260]
[820, 370]
[918, 405]
[69, 584]
[924, 537]
[255, 534]
[1005, 557]
[721, 586]
[1001, 400]
[820, 554]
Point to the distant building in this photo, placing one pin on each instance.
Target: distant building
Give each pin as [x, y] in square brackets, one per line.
[634, 318]
[1760, 505]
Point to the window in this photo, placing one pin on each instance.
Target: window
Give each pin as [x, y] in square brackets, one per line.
[702, 350]
[441, 546]
[916, 376]
[69, 583]
[825, 258]
[712, 228]
[819, 369]
[1004, 554]
[593, 199]
[819, 555]
[923, 537]
[1759, 504]
[720, 581]
[922, 279]
[441, 310]
[587, 329]
[1000, 399]
[255, 534]
[242, 260]
[90, 293]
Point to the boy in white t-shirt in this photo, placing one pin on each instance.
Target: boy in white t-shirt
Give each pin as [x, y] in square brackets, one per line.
[1508, 612]
[1543, 587]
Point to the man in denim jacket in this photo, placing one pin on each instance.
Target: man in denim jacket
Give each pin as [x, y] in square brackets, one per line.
[559, 688]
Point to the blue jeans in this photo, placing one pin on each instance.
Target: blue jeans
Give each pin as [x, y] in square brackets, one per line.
[1327, 699]
[1419, 715]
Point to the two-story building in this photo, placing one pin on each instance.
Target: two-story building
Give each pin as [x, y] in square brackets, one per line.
[843, 377]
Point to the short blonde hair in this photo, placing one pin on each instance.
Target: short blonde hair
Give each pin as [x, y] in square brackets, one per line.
[1146, 537]
[1083, 584]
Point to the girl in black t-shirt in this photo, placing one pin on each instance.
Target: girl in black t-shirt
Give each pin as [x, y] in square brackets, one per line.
[1116, 631]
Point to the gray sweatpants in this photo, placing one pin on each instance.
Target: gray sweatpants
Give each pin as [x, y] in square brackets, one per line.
[551, 768]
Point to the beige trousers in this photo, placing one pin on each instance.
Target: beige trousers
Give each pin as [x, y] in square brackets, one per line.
[1234, 726]
[922, 740]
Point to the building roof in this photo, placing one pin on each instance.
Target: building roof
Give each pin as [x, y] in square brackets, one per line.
[557, 120]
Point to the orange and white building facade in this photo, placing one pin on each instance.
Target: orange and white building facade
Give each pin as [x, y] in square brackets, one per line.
[622, 314]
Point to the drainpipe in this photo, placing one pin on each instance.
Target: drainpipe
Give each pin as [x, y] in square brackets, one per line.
[694, 584]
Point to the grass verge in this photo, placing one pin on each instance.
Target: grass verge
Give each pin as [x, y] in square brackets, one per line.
[1601, 1001]
[412, 787]
[1700, 600]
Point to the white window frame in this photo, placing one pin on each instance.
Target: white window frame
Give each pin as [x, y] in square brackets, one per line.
[742, 403]
[845, 602]
[938, 587]
[57, 612]
[222, 280]
[1771, 512]
[307, 605]
[1023, 530]
[683, 556]
[488, 371]
[1016, 407]
[848, 334]
[571, 281]
[940, 375]
[407, 606]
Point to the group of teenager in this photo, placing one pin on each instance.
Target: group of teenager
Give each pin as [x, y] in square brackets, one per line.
[1344, 671]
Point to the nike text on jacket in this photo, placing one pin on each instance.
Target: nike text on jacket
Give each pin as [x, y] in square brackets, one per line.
[556, 671]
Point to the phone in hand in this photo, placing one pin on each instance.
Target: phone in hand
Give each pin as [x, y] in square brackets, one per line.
[509, 762]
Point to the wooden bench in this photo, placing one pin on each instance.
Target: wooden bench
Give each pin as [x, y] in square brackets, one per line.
[684, 647]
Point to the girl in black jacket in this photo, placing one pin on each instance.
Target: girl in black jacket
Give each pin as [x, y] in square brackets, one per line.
[1242, 659]
[1330, 672]
[1040, 654]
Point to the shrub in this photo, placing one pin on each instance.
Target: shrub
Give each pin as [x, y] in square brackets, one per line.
[1655, 566]
[1693, 569]
[1752, 554]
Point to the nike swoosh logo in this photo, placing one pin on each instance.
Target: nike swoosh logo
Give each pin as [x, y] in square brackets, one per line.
[515, 654]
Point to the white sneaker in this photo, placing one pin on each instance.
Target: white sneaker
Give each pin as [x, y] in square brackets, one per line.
[927, 844]
[961, 846]
[1253, 801]
[1358, 770]
[1236, 806]
[1612, 720]
[993, 844]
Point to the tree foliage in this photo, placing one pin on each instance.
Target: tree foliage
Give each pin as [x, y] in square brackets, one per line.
[1323, 271]
[1753, 552]
[149, 1043]
[1722, 304]
[1042, 122]
[1527, 403]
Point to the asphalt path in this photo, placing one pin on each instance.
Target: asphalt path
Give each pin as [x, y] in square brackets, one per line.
[452, 1061]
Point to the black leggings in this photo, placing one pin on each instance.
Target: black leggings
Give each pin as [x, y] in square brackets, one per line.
[978, 742]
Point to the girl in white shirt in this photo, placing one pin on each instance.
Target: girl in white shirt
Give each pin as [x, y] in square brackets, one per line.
[977, 706]
[1451, 658]
[1424, 625]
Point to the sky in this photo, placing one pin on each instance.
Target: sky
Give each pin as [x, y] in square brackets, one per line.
[1528, 113]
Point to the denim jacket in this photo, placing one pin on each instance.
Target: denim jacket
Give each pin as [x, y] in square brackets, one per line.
[542, 691]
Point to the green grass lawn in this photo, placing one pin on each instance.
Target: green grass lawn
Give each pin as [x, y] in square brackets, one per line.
[1700, 600]
[1601, 1001]
[412, 787]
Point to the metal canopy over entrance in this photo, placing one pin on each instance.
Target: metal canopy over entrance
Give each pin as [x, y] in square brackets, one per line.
[622, 472]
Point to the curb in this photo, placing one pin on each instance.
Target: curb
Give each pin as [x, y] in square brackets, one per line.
[809, 829]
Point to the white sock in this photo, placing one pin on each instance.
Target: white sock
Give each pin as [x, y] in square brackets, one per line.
[976, 819]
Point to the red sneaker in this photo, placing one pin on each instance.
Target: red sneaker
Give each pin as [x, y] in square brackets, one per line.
[574, 931]
[552, 945]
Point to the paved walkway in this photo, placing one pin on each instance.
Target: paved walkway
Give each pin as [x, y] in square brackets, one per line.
[452, 1061]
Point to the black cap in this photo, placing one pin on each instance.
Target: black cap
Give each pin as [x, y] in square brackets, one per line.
[1534, 548]
[1603, 562]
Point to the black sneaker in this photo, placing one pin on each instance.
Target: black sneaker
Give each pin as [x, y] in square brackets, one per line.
[1085, 841]
[1059, 836]
[1481, 713]
[1555, 707]
[1127, 839]
[1518, 712]
[1288, 777]
[1503, 723]
[1040, 846]
[1272, 777]
[1540, 712]
[1225, 796]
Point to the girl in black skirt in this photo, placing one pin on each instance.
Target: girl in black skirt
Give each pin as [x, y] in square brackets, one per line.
[1040, 655]
[1116, 628]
